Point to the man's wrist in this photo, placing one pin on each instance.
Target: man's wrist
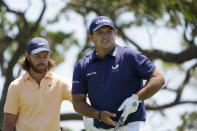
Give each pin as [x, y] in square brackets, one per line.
[99, 115]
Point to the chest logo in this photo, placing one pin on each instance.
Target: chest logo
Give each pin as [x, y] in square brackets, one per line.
[115, 67]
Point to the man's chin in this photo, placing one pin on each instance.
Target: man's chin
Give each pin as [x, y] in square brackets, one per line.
[40, 71]
[107, 46]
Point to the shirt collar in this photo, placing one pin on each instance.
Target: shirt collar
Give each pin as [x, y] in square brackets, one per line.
[47, 75]
[113, 53]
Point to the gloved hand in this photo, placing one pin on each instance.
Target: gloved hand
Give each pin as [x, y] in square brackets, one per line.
[88, 123]
[129, 106]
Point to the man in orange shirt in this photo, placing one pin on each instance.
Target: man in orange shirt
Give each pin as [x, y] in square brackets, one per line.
[34, 99]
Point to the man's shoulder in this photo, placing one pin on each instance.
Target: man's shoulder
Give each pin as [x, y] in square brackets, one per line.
[18, 81]
[55, 76]
[85, 60]
[126, 50]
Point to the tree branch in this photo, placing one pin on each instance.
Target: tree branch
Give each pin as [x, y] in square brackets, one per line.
[178, 58]
[172, 104]
[70, 116]
[34, 28]
[10, 10]
[123, 35]
[5, 41]
[179, 92]
[191, 42]
[186, 80]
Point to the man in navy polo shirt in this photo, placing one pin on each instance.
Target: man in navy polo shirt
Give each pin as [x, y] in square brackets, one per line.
[112, 77]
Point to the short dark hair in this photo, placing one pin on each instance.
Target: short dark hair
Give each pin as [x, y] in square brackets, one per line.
[25, 64]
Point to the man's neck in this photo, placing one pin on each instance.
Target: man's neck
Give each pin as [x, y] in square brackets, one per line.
[103, 52]
[36, 76]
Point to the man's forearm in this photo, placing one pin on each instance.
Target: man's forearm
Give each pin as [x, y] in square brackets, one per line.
[89, 111]
[9, 122]
[86, 110]
[7, 127]
[152, 86]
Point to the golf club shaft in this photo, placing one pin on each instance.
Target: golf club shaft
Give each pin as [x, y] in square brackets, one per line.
[118, 124]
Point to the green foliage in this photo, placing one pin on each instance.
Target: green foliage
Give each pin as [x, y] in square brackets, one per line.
[194, 73]
[59, 43]
[189, 122]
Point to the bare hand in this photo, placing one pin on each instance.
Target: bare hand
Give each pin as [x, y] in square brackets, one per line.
[106, 117]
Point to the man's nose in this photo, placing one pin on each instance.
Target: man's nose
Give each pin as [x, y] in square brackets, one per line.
[43, 59]
[105, 34]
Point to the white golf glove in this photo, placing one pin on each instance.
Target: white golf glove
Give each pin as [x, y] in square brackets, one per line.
[88, 123]
[129, 106]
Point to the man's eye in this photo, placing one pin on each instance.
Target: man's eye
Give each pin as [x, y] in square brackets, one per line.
[37, 56]
[46, 56]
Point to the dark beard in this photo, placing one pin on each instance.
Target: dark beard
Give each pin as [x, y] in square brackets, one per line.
[37, 70]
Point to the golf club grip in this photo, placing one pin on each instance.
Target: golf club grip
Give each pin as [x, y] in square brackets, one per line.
[118, 124]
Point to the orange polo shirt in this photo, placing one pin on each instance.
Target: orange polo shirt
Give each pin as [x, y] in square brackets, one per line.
[37, 106]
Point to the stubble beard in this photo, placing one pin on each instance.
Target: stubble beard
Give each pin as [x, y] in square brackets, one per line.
[36, 69]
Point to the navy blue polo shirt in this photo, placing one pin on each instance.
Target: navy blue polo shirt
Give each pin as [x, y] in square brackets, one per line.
[111, 80]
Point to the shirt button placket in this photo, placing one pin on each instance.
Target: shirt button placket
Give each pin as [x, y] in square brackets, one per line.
[102, 74]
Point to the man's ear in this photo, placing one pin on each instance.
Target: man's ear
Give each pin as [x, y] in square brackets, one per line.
[115, 32]
[27, 55]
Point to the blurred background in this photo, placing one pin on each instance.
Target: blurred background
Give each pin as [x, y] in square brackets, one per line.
[164, 30]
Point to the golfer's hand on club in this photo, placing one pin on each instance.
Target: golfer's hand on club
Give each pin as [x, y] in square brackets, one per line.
[129, 106]
[106, 117]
